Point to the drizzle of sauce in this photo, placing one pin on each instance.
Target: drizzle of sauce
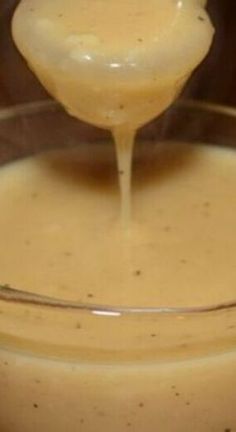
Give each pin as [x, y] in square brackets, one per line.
[114, 64]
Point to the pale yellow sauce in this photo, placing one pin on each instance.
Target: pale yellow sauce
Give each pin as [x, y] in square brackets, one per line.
[67, 241]
[115, 64]
[61, 236]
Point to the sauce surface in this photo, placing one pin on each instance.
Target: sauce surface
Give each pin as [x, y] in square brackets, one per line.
[118, 65]
[114, 64]
[67, 241]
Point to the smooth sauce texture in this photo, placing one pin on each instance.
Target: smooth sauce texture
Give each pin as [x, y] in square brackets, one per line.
[114, 64]
[67, 241]
[59, 232]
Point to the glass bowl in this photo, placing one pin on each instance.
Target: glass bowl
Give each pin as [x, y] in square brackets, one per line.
[68, 366]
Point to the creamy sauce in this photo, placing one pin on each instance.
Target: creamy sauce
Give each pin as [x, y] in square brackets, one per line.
[117, 65]
[60, 237]
[67, 226]
[114, 64]
[60, 397]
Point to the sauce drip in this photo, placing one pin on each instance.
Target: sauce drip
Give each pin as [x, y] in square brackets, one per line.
[114, 64]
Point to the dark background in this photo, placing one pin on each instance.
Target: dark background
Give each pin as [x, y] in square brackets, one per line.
[215, 80]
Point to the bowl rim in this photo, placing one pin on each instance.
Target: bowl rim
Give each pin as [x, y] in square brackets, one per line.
[12, 295]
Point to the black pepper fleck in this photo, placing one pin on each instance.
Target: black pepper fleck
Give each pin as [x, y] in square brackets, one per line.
[153, 335]
[137, 272]
[36, 405]
[167, 228]
[227, 430]
[200, 18]
[177, 394]
[90, 295]
[78, 326]
[62, 287]
[68, 254]
[34, 195]
[140, 40]
[121, 106]
[183, 346]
